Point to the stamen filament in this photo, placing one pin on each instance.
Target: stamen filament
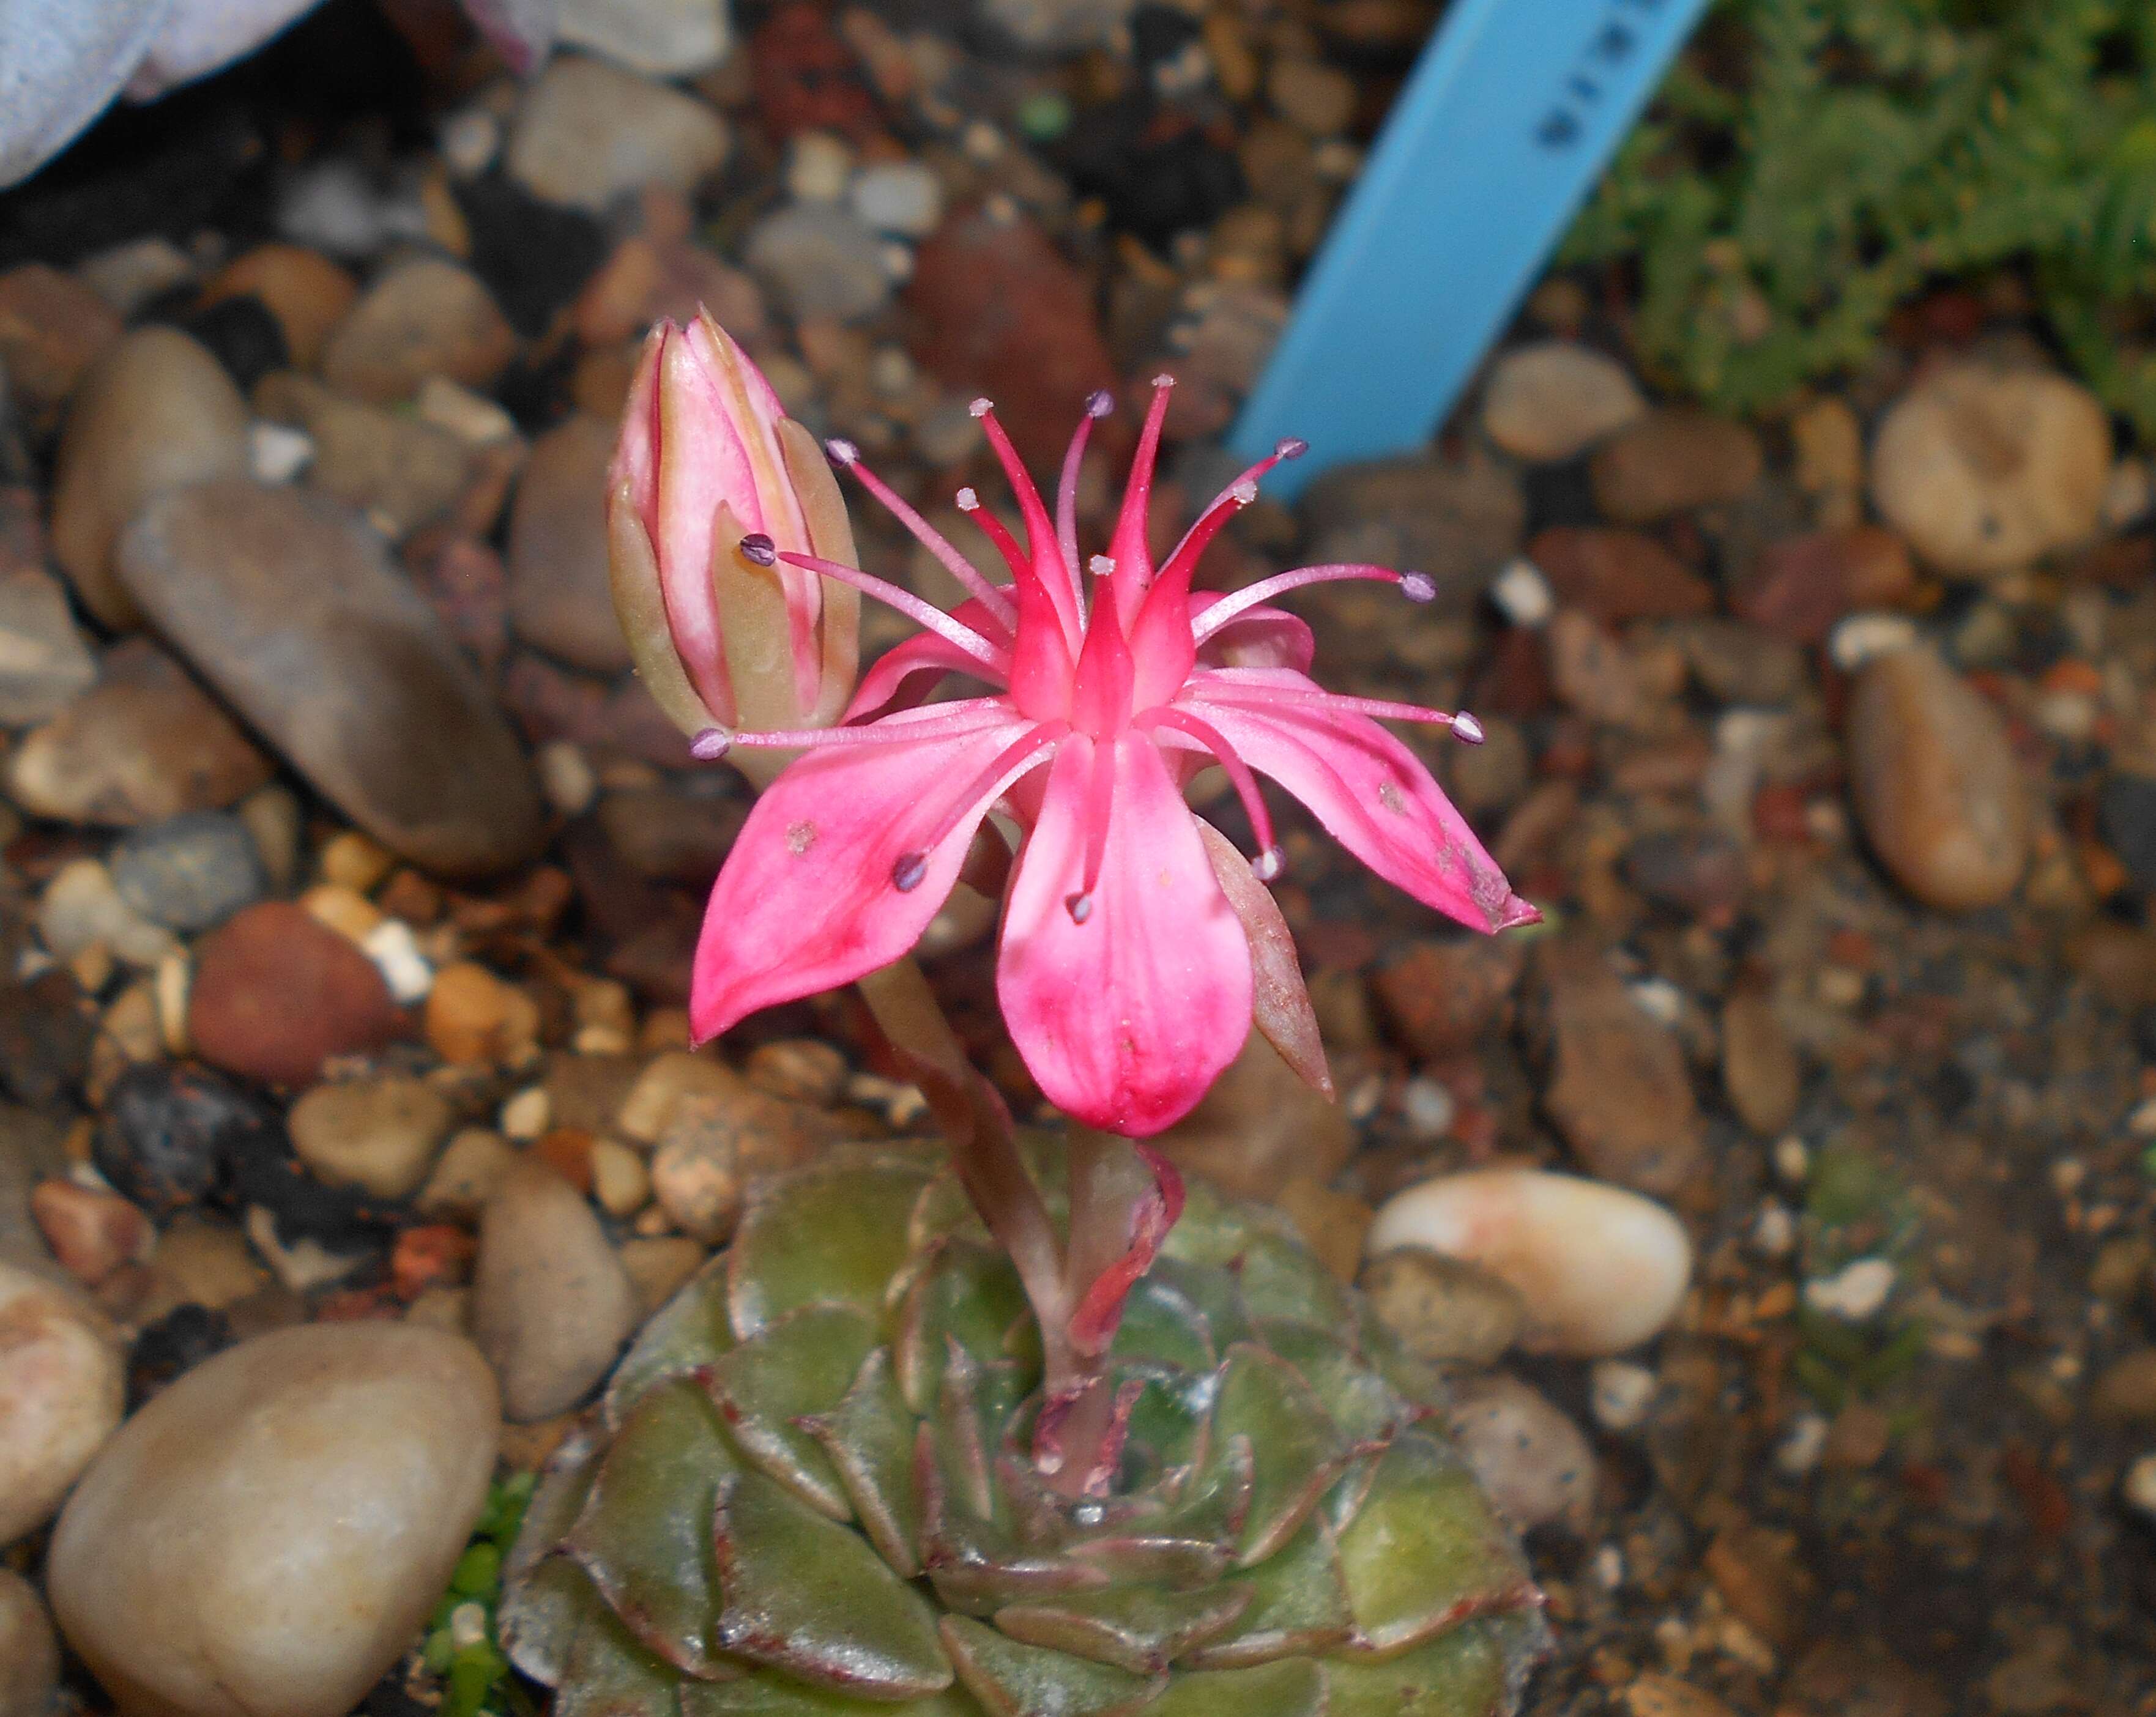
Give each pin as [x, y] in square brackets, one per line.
[1017, 758]
[1039, 528]
[1098, 405]
[844, 453]
[959, 719]
[925, 614]
[1414, 585]
[1229, 502]
[1100, 807]
[1220, 681]
[1267, 864]
[996, 532]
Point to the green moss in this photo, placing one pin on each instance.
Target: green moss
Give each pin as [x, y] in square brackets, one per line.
[1809, 164]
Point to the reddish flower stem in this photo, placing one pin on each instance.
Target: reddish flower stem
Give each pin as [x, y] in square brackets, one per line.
[1107, 1181]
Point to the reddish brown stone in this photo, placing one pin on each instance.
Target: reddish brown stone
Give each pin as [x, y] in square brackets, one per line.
[807, 77]
[1618, 576]
[51, 329]
[1799, 586]
[1442, 995]
[91, 1234]
[1002, 313]
[276, 993]
[437, 1255]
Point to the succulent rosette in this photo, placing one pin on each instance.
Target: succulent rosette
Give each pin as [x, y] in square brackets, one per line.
[1011, 1427]
[810, 1490]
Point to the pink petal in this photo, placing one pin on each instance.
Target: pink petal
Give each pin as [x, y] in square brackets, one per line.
[1124, 1019]
[885, 683]
[1262, 637]
[807, 900]
[1375, 797]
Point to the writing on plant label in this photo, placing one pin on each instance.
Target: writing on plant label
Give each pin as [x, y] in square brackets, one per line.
[1612, 42]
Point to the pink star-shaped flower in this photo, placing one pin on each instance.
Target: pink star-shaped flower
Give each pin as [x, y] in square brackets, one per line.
[1124, 973]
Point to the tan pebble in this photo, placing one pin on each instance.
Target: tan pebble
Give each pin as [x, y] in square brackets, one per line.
[355, 861]
[1829, 446]
[658, 1265]
[1445, 1309]
[619, 1179]
[171, 981]
[424, 317]
[664, 1028]
[378, 1135]
[525, 1115]
[469, 1170]
[648, 1108]
[156, 412]
[1858, 1437]
[442, 1309]
[1935, 781]
[1760, 1071]
[802, 1069]
[473, 1015]
[1653, 1695]
[344, 910]
[211, 1264]
[1331, 1224]
[526, 1448]
[1600, 1268]
[61, 1392]
[1985, 469]
[29, 1654]
[305, 291]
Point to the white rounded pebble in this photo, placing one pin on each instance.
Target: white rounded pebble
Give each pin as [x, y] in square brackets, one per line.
[61, 1390]
[1793, 1160]
[818, 167]
[1621, 1393]
[470, 139]
[1533, 1461]
[1600, 1268]
[277, 453]
[1799, 1450]
[1773, 1230]
[394, 949]
[899, 197]
[1523, 594]
[1859, 638]
[1854, 1294]
[268, 1534]
[1427, 1107]
[567, 777]
[2138, 1487]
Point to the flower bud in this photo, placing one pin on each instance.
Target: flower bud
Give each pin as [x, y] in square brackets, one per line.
[707, 457]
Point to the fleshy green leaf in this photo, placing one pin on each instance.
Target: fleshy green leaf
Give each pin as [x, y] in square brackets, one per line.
[1280, 1279]
[1162, 1322]
[801, 1365]
[1362, 1403]
[968, 1294]
[1474, 1671]
[1140, 1629]
[608, 1673]
[805, 1595]
[870, 1438]
[1424, 1552]
[690, 1331]
[832, 1234]
[1294, 1689]
[1298, 1604]
[1015, 1679]
[765, 1693]
[644, 1534]
[542, 1594]
[1295, 1446]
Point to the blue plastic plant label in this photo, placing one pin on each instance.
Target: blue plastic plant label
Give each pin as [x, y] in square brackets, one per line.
[1512, 113]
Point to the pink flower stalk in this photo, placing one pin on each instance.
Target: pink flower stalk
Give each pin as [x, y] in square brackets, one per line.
[1124, 973]
[707, 457]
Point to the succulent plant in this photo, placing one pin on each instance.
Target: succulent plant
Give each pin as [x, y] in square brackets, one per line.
[813, 1488]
